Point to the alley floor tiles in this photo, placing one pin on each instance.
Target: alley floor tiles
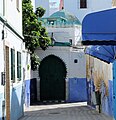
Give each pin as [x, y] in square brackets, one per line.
[67, 111]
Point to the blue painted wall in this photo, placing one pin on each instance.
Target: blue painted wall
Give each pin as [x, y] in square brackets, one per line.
[1, 99]
[27, 93]
[107, 101]
[77, 90]
[114, 89]
[17, 102]
[90, 91]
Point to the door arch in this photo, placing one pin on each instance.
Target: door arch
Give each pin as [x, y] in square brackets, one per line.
[52, 73]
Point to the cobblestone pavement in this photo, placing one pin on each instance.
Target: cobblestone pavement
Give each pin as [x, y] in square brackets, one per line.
[67, 111]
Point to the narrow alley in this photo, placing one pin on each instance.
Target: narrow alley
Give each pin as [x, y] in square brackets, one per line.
[67, 111]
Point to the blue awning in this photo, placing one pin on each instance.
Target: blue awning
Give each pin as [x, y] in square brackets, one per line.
[104, 53]
[99, 28]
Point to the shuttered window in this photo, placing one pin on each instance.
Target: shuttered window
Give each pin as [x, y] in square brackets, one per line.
[83, 3]
[19, 65]
[13, 65]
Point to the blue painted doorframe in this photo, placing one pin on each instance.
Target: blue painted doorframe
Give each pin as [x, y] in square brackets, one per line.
[114, 88]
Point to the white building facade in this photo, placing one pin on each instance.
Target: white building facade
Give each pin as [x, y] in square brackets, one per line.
[14, 60]
[80, 8]
[63, 64]
[99, 74]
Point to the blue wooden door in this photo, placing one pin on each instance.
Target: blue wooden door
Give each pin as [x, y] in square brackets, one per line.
[114, 89]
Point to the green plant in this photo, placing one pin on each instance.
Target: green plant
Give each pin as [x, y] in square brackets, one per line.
[35, 35]
[35, 61]
[28, 66]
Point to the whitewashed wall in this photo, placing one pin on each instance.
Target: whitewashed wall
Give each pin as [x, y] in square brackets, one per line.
[64, 33]
[77, 70]
[1, 57]
[14, 15]
[26, 65]
[73, 6]
[99, 71]
[1, 7]
[14, 18]
[12, 41]
[67, 55]
[13, 38]
[103, 69]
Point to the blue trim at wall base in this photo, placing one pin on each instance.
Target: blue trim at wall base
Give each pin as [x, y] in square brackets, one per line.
[1, 99]
[106, 100]
[17, 102]
[77, 90]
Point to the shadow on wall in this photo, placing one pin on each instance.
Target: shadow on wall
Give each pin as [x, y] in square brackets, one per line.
[107, 101]
[106, 96]
[90, 90]
[30, 92]
[1, 100]
[17, 101]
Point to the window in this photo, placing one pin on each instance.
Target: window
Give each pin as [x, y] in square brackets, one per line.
[19, 65]
[75, 61]
[13, 65]
[83, 3]
[17, 5]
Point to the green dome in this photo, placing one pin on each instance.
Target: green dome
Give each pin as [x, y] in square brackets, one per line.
[68, 18]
